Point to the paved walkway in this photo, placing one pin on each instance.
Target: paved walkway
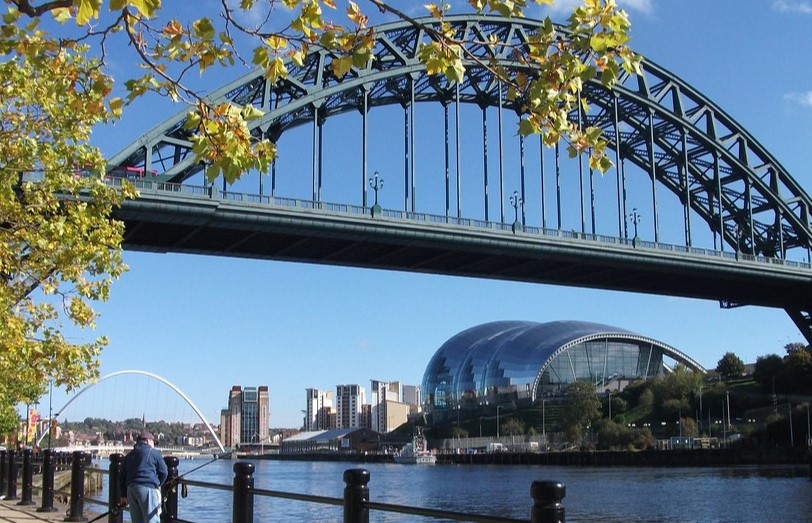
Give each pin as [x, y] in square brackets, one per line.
[11, 512]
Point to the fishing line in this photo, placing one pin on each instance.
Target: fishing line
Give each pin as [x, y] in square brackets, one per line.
[114, 510]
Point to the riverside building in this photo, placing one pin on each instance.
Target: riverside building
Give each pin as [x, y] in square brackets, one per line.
[350, 400]
[319, 414]
[387, 411]
[246, 421]
[515, 364]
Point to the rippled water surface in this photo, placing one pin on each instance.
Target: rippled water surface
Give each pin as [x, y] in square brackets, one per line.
[731, 494]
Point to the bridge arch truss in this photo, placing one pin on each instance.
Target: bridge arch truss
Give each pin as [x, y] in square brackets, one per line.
[684, 142]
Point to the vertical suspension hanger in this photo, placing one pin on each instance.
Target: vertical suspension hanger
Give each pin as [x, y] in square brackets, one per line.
[411, 145]
[315, 173]
[653, 172]
[321, 120]
[581, 170]
[522, 178]
[484, 107]
[592, 197]
[621, 201]
[541, 174]
[447, 163]
[687, 188]
[718, 179]
[457, 116]
[406, 158]
[364, 112]
[501, 161]
[558, 183]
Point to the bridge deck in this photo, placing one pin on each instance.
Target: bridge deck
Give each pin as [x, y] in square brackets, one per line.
[184, 219]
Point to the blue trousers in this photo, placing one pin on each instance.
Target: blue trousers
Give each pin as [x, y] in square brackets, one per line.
[145, 503]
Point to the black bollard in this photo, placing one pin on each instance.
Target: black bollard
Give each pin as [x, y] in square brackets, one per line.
[77, 487]
[547, 507]
[114, 494]
[48, 466]
[3, 472]
[243, 493]
[356, 495]
[11, 475]
[169, 490]
[28, 479]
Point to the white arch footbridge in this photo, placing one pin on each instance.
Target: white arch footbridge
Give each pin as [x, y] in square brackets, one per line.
[155, 377]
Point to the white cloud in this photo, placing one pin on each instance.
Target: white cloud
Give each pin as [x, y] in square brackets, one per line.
[643, 6]
[804, 99]
[786, 6]
[566, 6]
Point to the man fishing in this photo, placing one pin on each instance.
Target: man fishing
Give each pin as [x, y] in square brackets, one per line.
[143, 473]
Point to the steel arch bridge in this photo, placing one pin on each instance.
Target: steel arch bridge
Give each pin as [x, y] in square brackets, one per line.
[150, 375]
[661, 130]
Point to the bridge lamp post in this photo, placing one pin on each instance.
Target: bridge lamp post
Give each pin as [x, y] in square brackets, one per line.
[737, 232]
[376, 183]
[635, 218]
[516, 201]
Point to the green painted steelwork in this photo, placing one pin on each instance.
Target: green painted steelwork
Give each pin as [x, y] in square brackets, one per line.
[674, 134]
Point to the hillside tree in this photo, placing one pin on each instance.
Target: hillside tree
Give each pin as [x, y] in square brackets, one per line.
[582, 408]
[730, 366]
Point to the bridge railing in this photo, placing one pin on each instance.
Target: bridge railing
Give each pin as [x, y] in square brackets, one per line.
[392, 214]
[356, 503]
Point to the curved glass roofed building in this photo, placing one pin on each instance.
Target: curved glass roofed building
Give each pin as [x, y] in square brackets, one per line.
[519, 362]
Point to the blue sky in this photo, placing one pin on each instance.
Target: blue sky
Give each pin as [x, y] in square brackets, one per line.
[207, 323]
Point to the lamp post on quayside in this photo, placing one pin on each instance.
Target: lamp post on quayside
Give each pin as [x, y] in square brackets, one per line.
[376, 183]
[609, 394]
[497, 420]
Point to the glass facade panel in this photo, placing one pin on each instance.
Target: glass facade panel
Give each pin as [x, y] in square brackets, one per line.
[497, 363]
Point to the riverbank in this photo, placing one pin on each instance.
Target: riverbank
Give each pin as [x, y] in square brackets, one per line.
[598, 458]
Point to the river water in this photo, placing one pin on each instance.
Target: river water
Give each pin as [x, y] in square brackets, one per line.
[717, 494]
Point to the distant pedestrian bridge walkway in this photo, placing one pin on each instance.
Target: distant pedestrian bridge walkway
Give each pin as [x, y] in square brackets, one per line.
[430, 176]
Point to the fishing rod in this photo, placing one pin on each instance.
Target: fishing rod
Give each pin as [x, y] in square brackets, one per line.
[177, 479]
[215, 458]
[114, 510]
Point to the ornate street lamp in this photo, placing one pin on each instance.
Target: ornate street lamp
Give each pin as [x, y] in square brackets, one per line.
[635, 218]
[376, 183]
[516, 201]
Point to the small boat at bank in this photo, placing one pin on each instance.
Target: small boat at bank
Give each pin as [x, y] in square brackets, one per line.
[415, 453]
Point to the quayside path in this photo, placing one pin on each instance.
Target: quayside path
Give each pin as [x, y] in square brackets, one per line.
[11, 512]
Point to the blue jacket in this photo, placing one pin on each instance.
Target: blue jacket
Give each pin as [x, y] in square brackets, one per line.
[143, 465]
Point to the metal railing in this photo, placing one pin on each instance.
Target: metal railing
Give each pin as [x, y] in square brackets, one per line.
[406, 216]
[356, 503]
